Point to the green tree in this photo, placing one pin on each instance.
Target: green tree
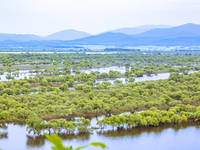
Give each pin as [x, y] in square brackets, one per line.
[44, 82]
[131, 80]
[64, 87]
[55, 63]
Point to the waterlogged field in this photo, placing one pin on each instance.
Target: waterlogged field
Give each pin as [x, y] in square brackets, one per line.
[80, 96]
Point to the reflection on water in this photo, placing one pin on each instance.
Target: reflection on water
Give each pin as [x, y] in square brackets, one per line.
[3, 126]
[140, 130]
[175, 136]
[180, 137]
[37, 141]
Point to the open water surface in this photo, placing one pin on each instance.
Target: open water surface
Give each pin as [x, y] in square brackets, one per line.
[166, 137]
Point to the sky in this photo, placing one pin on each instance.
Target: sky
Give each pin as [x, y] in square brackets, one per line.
[44, 17]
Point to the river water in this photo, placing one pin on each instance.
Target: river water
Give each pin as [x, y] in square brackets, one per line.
[25, 73]
[179, 137]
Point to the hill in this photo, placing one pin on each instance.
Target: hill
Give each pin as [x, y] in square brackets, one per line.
[186, 30]
[19, 37]
[187, 34]
[139, 29]
[67, 35]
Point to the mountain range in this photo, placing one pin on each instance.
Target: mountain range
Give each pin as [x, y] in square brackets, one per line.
[67, 35]
[71, 34]
[162, 35]
[139, 29]
[19, 37]
[61, 35]
[186, 30]
[184, 35]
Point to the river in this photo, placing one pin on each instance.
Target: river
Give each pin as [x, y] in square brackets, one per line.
[179, 137]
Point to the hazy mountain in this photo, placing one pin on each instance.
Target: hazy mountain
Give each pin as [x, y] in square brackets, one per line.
[139, 29]
[19, 37]
[188, 34]
[37, 44]
[114, 40]
[178, 41]
[186, 30]
[62, 35]
[67, 35]
[185, 34]
[110, 38]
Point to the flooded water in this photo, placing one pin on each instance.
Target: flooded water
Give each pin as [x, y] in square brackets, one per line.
[159, 76]
[25, 73]
[121, 69]
[180, 137]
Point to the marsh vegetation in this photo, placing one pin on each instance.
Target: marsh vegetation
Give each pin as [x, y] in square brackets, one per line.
[45, 100]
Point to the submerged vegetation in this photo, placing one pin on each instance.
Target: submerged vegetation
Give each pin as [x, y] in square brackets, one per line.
[37, 125]
[153, 117]
[89, 100]
[47, 95]
[156, 61]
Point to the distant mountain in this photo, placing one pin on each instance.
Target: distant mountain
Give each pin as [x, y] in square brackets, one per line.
[186, 30]
[62, 35]
[110, 38]
[139, 29]
[178, 41]
[184, 35]
[67, 35]
[187, 34]
[114, 40]
[101, 38]
[37, 44]
[19, 37]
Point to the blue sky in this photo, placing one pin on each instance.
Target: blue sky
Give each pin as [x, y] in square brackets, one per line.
[43, 17]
